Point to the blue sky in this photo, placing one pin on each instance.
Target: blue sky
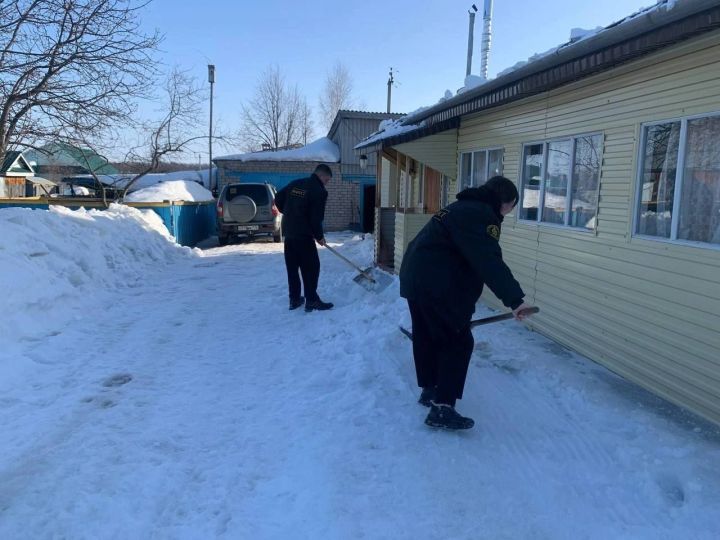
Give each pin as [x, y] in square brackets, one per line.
[425, 41]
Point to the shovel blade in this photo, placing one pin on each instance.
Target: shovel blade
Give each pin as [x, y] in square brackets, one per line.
[372, 281]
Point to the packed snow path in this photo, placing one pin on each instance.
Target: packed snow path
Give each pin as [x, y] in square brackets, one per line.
[195, 405]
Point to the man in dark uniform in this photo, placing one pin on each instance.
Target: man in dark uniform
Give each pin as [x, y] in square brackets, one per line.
[442, 276]
[302, 203]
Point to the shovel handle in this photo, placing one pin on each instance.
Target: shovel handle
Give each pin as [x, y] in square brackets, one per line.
[487, 320]
[363, 272]
[503, 317]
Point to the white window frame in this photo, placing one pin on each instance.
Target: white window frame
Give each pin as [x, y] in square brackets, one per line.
[543, 177]
[487, 151]
[679, 181]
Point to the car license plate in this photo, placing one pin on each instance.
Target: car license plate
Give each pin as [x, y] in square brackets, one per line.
[248, 227]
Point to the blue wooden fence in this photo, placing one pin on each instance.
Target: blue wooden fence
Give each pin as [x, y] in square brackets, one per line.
[189, 222]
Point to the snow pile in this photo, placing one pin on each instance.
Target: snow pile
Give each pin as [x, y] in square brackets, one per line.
[391, 128]
[447, 95]
[119, 181]
[197, 176]
[174, 190]
[322, 149]
[471, 82]
[52, 262]
[576, 34]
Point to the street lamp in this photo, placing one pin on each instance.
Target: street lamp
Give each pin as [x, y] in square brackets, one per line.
[211, 80]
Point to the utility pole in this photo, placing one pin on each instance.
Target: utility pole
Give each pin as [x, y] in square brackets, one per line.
[211, 80]
[389, 93]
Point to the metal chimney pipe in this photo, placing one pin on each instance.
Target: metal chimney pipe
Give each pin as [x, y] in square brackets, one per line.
[389, 92]
[486, 35]
[470, 39]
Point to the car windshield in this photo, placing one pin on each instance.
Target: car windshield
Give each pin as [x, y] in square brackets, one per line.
[257, 192]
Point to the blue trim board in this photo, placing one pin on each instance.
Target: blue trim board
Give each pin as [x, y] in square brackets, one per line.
[279, 180]
[364, 179]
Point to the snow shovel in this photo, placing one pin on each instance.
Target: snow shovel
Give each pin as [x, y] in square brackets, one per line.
[364, 279]
[486, 320]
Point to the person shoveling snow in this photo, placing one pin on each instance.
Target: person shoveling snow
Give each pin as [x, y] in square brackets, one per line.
[302, 203]
[442, 276]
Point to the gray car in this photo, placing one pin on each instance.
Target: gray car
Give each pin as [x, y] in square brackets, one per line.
[247, 211]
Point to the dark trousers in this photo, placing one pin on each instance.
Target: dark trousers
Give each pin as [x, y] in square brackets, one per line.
[301, 256]
[441, 353]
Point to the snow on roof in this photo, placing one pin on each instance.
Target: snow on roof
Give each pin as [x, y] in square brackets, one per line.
[412, 120]
[580, 34]
[323, 150]
[173, 190]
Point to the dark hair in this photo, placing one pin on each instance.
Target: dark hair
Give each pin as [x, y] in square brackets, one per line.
[323, 169]
[504, 189]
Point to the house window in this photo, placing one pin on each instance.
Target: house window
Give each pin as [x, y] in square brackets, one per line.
[560, 180]
[679, 185]
[478, 167]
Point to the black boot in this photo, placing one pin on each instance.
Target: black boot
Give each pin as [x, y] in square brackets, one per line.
[446, 417]
[296, 302]
[317, 304]
[426, 396]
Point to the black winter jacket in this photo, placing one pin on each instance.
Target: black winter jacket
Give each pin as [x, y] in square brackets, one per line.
[455, 254]
[302, 203]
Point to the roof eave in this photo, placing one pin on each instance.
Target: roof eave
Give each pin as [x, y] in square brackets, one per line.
[613, 36]
[408, 136]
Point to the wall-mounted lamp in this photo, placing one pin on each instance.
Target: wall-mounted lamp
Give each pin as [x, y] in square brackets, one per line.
[363, 162]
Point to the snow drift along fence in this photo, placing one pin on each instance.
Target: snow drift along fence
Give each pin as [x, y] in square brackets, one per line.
[188, 222]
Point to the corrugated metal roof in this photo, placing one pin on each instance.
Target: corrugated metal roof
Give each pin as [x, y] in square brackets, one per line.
[348, 114]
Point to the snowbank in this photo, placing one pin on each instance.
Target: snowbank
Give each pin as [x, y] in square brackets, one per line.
[321, 150]
[55, 261]
[174, 190]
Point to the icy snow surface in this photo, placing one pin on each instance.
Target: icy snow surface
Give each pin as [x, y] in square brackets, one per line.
[151, 392]
[322, 149]
[174, 190]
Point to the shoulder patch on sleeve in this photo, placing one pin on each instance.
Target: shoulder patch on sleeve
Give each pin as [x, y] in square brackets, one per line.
[494, 231]
[441, 214]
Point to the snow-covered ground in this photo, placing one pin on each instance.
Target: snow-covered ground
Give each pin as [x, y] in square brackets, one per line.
[181, 399]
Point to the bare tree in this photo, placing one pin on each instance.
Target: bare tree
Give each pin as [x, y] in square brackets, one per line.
[177, 128]
[337, 93]
[307, 126]
[70, 66]
[277, 116]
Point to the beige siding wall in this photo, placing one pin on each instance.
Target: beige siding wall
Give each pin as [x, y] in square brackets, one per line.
[648, 310]
[406, 228]
[439, 151]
